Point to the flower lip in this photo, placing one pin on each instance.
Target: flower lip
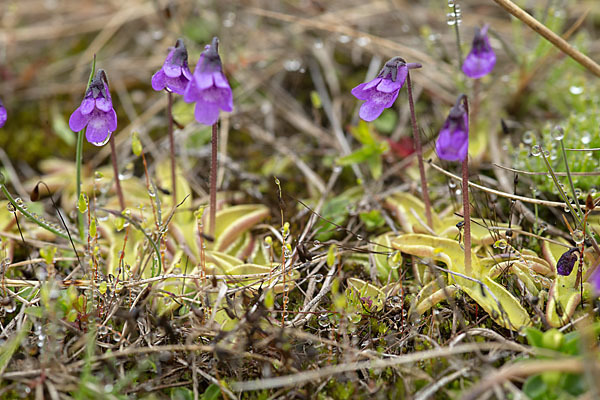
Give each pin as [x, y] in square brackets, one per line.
[390, 68]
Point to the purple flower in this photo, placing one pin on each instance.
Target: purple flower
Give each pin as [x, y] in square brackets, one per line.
[382, 91]
[566, 262]
[481, 60]
[453, 142]
[209, 87]
[175, 73]
[3, 115]
[595, 281]
[96, 112]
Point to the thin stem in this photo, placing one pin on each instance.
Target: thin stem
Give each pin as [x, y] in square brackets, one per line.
[213, 180]
[465, 193]
[78, 164]
[113, 152]
[552, 37]
[467, 214]
[79, 159]
[419, 150]
[172, 142]
[457, 33]
[562, 146]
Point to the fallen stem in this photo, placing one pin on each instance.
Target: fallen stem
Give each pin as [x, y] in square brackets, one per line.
[550, 36]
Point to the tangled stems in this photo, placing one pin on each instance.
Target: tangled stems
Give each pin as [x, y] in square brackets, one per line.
[419, 150]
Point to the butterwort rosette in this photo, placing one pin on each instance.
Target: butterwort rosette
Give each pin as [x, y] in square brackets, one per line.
[175, 74]
[453, 142]
[3, 114]
[381, 92]
[481, 59]
[209, 87]
[96, 112]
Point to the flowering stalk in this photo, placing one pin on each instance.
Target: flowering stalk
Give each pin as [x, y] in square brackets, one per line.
[213, 179]
[79, 158]
[465, 194]
[419, 149]
[211, 92]
[453, 145]
[172, 143]
[174, 76]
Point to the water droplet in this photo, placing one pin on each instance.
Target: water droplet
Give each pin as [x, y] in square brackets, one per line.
[586, 138]
[363, 41]
[593, 191]
[337, 169]
[576, 90]
[528, 137]
[98, 176]
[567, 209]
[318, 277]
[558, 133]
[395, 302]
[578, 236]
[292, 65]
[316, 242]
[151, 191]
[578, 192]
[543, 226]
[450, 18]
[536, 150]
[323, 321]
[344, 39]
[451, 184]
[10, 207]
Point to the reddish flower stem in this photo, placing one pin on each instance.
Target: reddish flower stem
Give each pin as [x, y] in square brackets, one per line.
[113, 152]
[213, 180]
[419, 150]
[467, 214]
[466, 205]
[172, 142]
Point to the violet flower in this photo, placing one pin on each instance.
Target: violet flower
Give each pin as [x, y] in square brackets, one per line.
[566, 262]
[3, 114]
[175, 74]
[453, 142]
[595, 281]
[209, 87]
[481, 60]
[96, 112]
[382, 91]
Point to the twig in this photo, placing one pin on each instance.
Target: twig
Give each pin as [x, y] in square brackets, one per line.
[550, 36]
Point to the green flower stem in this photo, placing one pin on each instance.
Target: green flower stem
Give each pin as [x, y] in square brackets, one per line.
[78, 163]
[172, 143]
[79, 160]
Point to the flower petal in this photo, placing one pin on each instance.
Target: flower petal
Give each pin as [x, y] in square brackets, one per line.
[220, 80]
[78, 121]
[206, 113]
[360, 93]
[87, 105]
[104, 104]
[97, 132]
[479, 65]
[3, 116]
[193, 92]
[159, 80]
[372, 83]
[370, 110]
[177, 85]
[111, 117]
[171, 70]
